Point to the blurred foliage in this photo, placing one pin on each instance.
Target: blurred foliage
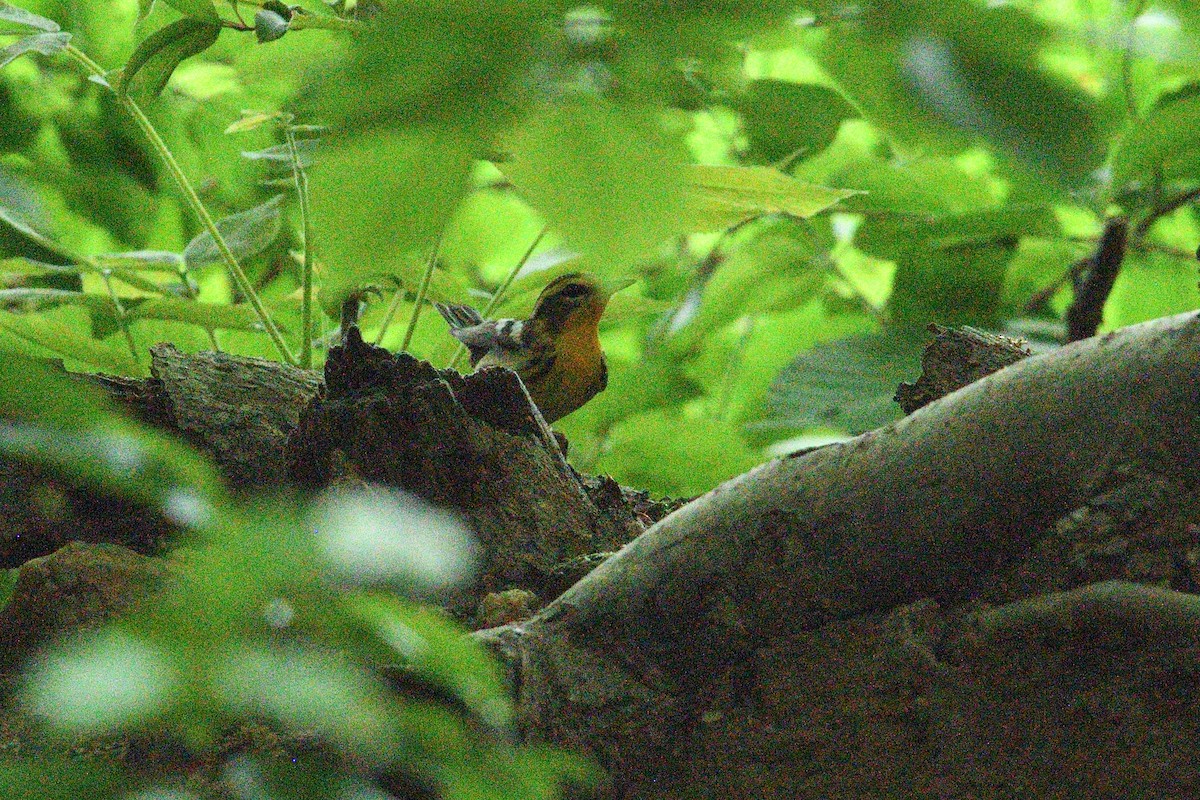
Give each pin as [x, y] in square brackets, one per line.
[275, 610]
[800, 188]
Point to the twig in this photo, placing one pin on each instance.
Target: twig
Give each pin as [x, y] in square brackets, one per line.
[390, 314]
[122, 318]
[1094, 285]
[1165, 208]
[1127, 61]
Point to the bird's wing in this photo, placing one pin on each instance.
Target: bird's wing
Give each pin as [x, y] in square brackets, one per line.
[458, 316]
[500, 337]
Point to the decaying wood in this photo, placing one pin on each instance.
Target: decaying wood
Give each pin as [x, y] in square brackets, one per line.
[475, 444]
[239, 409]
[955, 358]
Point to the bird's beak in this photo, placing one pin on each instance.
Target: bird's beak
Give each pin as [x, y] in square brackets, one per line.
[617, 284]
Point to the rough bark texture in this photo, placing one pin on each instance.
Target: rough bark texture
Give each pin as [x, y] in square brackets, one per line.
[944, 608]
[475, 444]
[239, 409]
[955, 358]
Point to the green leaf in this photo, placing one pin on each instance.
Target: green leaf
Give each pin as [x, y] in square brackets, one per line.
[946, 72]
[653, 381]
[1164, 144]
[17, 222]
[247, 233]
[150, 260]
[785, 120]
[381, 198]
[1151, 285]
[71, 426]
[106, 680]
[374, 536]
[957, 284]
[48, 776]
[704, 453]
[252, 120]
[57, 297]
[776, 271]
[66, 342]
[8, 582]
[603, 176]
[723, 196]
[45, 43]
[305, 148]
[310, 690]
[20, 265]
[439, 65]
[19, 16]
[895, 237]
[203, 10]
[847, 384]
[34, 391]
[933, 185]
[155, 59]
[210, 316]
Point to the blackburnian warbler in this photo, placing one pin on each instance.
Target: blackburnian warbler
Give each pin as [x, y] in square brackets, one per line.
[556, 351]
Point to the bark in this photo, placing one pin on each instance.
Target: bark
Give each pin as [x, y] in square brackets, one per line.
[932, 506]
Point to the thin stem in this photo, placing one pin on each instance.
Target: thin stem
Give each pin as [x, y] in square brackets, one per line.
[122, 319]
[1142, 246]
[193, 199]
[299, 22]
[131, 279]
[1127, 60]
[391, 313]
[1166, 208]
[498, 295]
[306, 303]
[421, 291]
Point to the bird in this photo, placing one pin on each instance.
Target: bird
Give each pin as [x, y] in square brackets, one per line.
[556, 351]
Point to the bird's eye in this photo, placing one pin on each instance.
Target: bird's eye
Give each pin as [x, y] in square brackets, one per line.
[574, 291]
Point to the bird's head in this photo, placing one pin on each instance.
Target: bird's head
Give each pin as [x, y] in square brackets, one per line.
[575, 299]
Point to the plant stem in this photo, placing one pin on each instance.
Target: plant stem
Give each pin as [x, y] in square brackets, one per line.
[190, 293]
[421, 291]
[193, 199]
[498, 295]
[390, 314]
[1165, 208]
[1131, 106]
[122, 319]
[300, 22]
[306, 315]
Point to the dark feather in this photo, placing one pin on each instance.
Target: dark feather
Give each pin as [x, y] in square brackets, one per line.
[458, 316]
